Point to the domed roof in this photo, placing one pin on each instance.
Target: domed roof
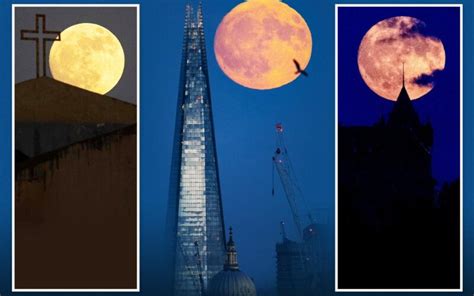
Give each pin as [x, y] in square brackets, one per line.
[231, 281]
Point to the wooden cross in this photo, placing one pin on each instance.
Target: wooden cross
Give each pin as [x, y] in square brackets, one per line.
[40, 36]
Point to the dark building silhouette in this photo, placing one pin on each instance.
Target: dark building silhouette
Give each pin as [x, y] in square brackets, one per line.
[302, 267]
[75, 188]
[391, 232]
[292, 276]
[50, 114]
[316, 238]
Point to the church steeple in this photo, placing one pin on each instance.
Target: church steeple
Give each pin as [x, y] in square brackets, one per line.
[231, 281]
[403, 75]
[231, 260]
[403, 113]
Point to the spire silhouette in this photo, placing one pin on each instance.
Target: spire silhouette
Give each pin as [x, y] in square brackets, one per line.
[231, 260]
[403, 75]
[403, 113]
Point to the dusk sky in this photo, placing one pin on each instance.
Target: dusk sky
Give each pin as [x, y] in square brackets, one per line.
[358, 105]
[244, 125]
[119, 20]
[245, 135]
[245, 118]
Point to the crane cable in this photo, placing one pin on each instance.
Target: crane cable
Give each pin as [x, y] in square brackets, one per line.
[293, 177]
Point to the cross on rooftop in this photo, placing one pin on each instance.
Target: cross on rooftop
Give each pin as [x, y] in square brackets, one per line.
[40, 35]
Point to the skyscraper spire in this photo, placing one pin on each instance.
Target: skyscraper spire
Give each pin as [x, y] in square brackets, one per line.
[194, 207]
[200, 10]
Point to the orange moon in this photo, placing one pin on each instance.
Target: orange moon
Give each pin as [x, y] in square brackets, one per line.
[256, 42]
[395, 44]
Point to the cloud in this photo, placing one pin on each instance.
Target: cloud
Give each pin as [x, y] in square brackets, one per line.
[427, 79]
[405, 26]
[398, 41]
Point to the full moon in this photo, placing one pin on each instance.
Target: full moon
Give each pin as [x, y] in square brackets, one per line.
[88, 56]
[256, 42]
[396, 45]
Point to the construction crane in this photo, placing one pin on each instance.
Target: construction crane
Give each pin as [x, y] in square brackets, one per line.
[309, 249]
[284, 167]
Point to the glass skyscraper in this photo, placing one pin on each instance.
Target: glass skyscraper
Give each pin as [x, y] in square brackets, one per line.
[195, 223]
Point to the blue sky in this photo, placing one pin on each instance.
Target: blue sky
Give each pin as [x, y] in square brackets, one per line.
[245, 135]
[244, 122]
[358, 105]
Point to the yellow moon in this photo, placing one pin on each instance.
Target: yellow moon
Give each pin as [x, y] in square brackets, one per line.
[88, 56]
[256, 42]
[395, 44]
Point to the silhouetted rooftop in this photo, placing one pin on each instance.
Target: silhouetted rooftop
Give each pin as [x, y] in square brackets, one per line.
[48, 100]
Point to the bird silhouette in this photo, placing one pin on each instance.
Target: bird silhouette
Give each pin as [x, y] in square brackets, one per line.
[298, 69]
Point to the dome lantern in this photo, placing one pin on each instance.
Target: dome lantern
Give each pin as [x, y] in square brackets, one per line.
[231, 281]
[231, 259]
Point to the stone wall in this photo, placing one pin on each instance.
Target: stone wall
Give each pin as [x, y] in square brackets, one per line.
[75, 215]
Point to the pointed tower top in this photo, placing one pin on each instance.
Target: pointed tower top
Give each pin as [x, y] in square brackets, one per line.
[403, 95]
[231, 243]
[188, 16]
[403, 75]
[199, 9]
[200, 15]
[403, 113]
[231, 260]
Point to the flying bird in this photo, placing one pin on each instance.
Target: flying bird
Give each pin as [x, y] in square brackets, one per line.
[298, 69]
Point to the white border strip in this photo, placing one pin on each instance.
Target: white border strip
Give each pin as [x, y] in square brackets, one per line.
[461, 146]
[137, 6]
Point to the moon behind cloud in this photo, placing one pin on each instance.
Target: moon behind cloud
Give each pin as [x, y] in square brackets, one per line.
[88, 56]
[392, 44]
[256, 42]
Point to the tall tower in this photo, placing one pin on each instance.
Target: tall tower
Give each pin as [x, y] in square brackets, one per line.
[195, 223]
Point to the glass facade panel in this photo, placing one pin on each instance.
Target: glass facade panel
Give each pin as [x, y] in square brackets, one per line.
[195, 220]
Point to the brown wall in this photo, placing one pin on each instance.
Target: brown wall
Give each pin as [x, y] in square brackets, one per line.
[47, 100]
[75, 216]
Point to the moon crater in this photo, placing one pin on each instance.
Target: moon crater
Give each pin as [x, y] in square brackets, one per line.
[88, 56]
[256, 42]
[395, 47]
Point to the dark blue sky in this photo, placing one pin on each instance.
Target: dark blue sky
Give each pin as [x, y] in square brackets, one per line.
[244, 128]
[358, 105]
[245, 135]
[244, 123]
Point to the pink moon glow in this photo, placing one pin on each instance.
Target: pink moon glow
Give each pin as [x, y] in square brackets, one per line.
[256, 42]
[393, 44]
